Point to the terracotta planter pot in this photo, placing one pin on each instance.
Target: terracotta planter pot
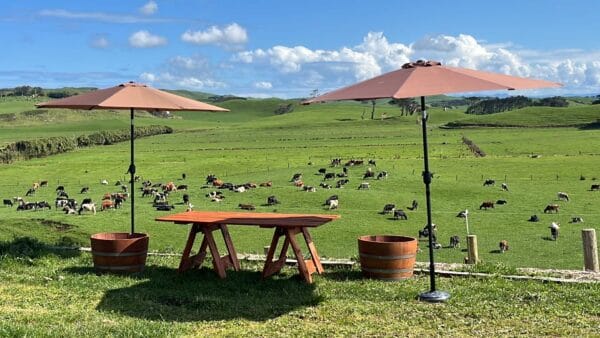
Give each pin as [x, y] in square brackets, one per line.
[387, 257]
[119, 252]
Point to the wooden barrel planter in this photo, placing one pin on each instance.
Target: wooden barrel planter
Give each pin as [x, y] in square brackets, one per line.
[119, 252]
[387, 257]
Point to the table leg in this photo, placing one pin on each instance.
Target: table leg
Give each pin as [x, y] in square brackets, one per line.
[302, 266]
[186, 262]
[313, 250]
[217, 262]
[272, 267]
[230, 248]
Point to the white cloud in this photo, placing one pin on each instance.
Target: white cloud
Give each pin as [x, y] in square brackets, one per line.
[100, 42]
[263, 85]
[148, 77]
[96, 16]
[149, 8]
[176, 81]
[143, 39]
[231, 36]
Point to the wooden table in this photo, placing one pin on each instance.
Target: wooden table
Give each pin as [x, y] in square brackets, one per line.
[285, 225]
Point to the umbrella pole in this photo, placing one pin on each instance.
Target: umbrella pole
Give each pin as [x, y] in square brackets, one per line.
[433, 296]
[132, 172]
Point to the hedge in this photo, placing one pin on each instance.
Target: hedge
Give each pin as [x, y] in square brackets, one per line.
[24, 150]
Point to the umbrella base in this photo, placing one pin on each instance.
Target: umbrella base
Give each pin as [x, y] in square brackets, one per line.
[434, 296]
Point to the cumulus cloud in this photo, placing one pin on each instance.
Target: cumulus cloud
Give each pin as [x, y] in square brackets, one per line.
[99, 42]
[186, 72]
[149, 8]
[263, 85]
[143, 39]
[231, 36]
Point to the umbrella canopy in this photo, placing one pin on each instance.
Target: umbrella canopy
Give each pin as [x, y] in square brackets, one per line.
[425, 78]
[131, 96]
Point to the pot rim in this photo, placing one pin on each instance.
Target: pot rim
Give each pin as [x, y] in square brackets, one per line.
[386, 239]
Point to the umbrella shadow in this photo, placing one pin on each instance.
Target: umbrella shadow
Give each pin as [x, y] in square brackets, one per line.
[197, 295]
[33, 248]
[343, 274]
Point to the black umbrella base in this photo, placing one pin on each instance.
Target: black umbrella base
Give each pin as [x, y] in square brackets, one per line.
[434, 296]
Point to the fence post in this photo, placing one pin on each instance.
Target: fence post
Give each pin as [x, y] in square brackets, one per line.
[473, 255]
[590, 250]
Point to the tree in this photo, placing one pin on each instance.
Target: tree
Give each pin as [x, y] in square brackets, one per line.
[314, 93]
[373, 110]
[22, 90]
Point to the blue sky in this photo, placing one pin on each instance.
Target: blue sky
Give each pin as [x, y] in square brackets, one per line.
[279, 48]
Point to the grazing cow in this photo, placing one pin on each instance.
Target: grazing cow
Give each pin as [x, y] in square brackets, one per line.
[272, 200]
[340, 175]
[215, 194]
[534, 218]
[400, 214]
[190, 207]
[148, 191]
[455, 242]
[104, 182]
[373, 163]
[182, 187]
[246, 206]
[266, 184]
[554, 227]
[186, 198]
[84, 190]
[345, 170]
[60, 188]
[322, 171]
[87, 207]
[595, 187]
[35, 186]
[577, 219]
[364, 185]
[8, 202]
[341, 183]
[551, 208]
[425, 232]
[501, 202]
[296, 177]
[299, 184]
[30, 192]
[118, 201]
[388, 208]
[170, 187]
[159, 198]
[462, 214]
[43, 184]
[210, 178]
[68, 210]
[368, 174]
[382, 175]
[239, 188]
[503, 246]
[335, 162]
[124, 188]
[414, 206]
[504, 186]
[331, 198]
[333, 204]
[87, 201]
[324, 185]
[487, 204]
[107, 204]
[42, 205]
[62, 193]
[26, 206]
[489, 183]
[117, 183]
[107, 196]
[309, 188]
[183, 176]
[563, 196]
[329, 176]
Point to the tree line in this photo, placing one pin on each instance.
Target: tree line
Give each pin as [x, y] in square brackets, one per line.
[497, 105]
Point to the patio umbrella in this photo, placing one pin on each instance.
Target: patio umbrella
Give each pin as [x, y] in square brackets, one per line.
[130, 96]
[424, 78]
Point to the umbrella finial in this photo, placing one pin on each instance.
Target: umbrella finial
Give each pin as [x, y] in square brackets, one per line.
[132, 84]
[421, 63]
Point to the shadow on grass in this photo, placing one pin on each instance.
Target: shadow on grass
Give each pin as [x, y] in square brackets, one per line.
[200, 295]
[341, 274]
[591, 126]
[33, 248]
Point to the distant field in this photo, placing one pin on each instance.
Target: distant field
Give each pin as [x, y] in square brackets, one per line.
[251, 144]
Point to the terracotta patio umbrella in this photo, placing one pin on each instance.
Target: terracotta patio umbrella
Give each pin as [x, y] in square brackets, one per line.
[131, 96]
[424, 78]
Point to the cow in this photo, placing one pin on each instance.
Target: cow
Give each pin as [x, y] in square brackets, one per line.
[554, 227]
[169, 187]
[183, 176]
[373, 163]
[534, 218]
[42, 205]
[246, 206]
[329, 176]
[296, 177]
[164, 207]
[148, 191]
[333, 204]
[595, 187]
[68, 210]
[84, 190]
[87, 207]
[342, 174]
[400, 214]
[414, 206]
[504, 186]
[322, 171]
[213, 194]
[487, 204]
[563, 196]
[239, 188]
[104, 182]
[331, 198]
[266, 184]
[462, 214]
[272, 200]
[298, 184]
[186, 198]
[249, 185]
[217, 182]
[107, 204]
[576, 219]
[425, 232]
[455, 242]
[35, 186]
[124, 188]
[368, 174]
[60, 188]
[30, 192]
[210, 178]
[335, 162]
[309, 188]
[363, 186]
[388, 208]
[324, 185]
[503, 245]
[8, 202]
[489, 182]
[501, 202]
[43, 184]
[551, 207]
[86, 201]
[382, 175]
[341, 183]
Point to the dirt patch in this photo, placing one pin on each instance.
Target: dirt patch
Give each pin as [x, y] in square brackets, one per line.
[58, 226]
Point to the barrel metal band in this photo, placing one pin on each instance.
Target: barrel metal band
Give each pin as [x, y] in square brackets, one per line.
[387, 270]
[137, 267]
[119, 254]
[387, 257]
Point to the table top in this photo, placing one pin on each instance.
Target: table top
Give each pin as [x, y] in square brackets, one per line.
[249, 218]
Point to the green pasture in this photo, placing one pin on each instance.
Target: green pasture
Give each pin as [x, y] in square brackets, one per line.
[251, 144]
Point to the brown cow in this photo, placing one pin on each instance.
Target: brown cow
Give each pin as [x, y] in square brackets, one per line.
[552, 207]
[487, 204]
[266, 184]
[107, 204]
[503, 245]
[217, 182]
